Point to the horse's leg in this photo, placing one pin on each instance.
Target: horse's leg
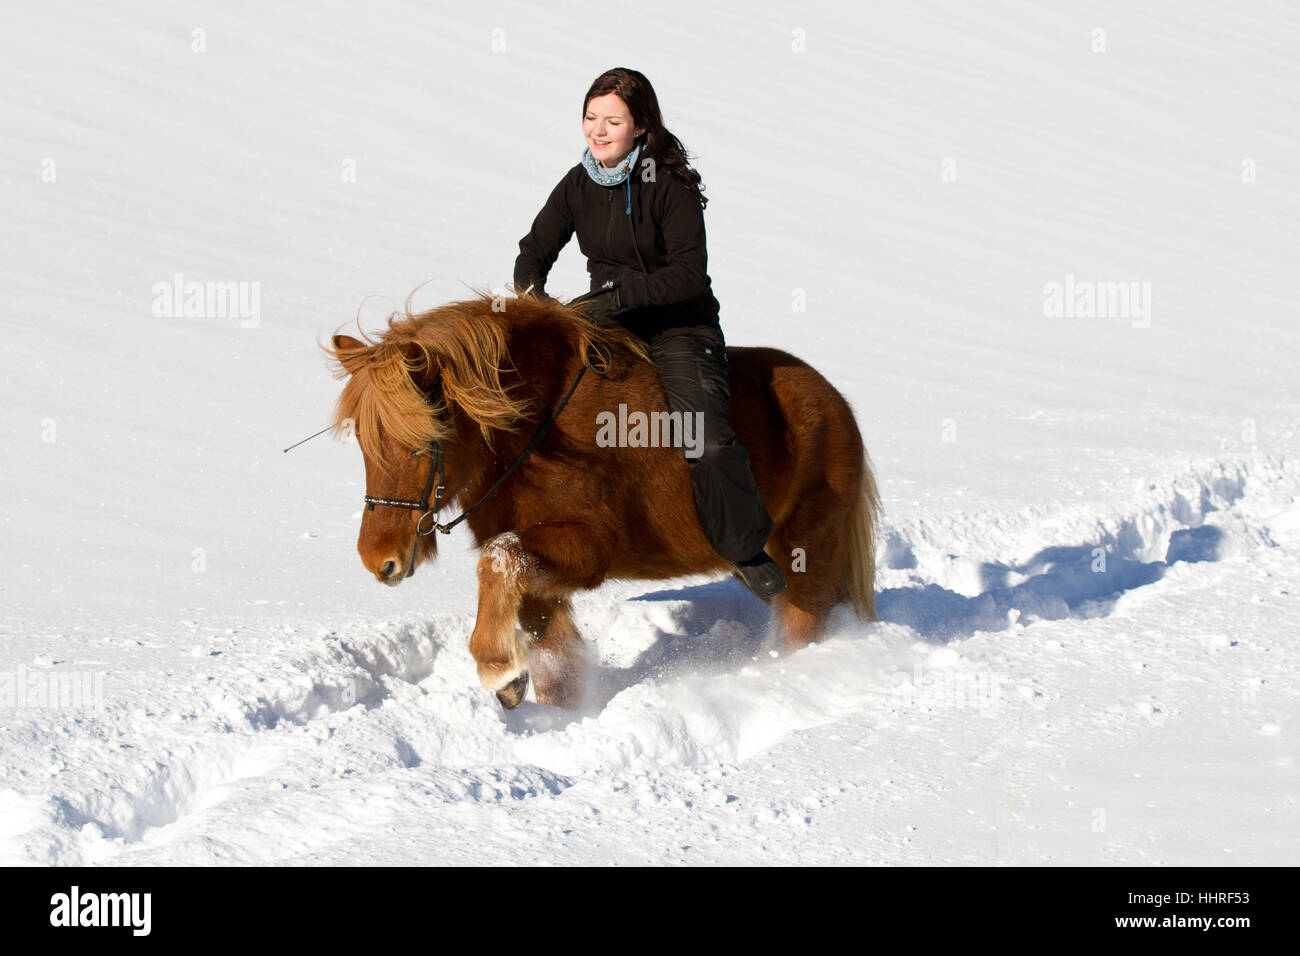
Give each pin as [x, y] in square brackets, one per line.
[546, 561]
[502, 658]
[557, 659]
[812, 553]
[802, 611]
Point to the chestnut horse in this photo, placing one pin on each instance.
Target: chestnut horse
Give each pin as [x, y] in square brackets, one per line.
[464, 389]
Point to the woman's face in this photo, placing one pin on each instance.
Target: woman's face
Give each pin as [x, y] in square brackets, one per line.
[607, 126]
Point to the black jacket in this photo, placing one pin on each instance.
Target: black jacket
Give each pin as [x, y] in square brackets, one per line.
[656, 253]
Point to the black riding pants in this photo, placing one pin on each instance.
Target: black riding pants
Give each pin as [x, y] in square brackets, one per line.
[692, 363]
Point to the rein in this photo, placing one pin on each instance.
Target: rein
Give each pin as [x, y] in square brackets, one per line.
[435, 469]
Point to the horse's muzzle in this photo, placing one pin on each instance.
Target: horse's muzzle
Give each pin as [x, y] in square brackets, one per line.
[392, 573]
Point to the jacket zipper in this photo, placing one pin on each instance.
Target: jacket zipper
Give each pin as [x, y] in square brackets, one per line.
[609, 228]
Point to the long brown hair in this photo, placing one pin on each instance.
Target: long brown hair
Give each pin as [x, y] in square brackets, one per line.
[660, 145]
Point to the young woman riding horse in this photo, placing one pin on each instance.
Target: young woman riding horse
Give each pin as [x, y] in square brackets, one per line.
[486, 405]
[638, 210]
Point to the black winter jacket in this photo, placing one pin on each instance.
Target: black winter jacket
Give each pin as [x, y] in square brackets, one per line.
[656, 254]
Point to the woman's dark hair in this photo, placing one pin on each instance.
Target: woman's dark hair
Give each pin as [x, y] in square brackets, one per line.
[660, 145]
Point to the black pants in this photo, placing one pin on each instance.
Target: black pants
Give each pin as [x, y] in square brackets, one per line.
[692, 364]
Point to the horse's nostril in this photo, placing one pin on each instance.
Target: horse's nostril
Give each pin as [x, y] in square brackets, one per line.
[387, 570]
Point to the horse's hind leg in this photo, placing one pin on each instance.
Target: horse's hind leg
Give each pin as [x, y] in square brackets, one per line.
[545, 561]
[812, 553]
[802, 610]
[558, 659]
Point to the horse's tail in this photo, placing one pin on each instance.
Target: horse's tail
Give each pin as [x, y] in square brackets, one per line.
[858, 583]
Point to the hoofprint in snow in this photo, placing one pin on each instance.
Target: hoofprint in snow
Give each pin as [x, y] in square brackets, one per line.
[1049, 259]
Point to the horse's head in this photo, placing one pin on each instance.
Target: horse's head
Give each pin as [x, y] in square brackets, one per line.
[431, 377]
[444, 376]
[386, 405]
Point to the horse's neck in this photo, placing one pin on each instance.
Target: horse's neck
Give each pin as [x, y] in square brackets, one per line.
[541, 378]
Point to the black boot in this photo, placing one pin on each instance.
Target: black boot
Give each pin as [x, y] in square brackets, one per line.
[761, 575]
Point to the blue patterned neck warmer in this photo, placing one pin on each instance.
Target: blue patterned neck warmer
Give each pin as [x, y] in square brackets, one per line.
[612, 177]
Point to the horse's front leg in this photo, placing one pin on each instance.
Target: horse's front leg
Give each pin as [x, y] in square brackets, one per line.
[544, 562]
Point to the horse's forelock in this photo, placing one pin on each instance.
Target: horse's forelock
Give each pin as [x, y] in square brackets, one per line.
[381, 398]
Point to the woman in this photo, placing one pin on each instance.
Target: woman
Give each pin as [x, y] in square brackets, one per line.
[637, 207]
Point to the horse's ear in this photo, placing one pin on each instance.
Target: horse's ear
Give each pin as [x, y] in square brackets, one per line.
[348, 355]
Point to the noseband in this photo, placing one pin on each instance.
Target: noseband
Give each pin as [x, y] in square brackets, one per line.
[435, 468]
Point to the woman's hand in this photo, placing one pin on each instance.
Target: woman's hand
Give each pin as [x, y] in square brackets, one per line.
[600, 306]
[536, 290]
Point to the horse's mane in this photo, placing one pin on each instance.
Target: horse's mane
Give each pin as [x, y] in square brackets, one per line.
[467, 343]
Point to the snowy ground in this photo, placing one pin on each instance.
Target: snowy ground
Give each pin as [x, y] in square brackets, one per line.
[1091, 577]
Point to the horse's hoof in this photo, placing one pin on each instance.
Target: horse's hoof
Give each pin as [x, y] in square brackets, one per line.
[513, 693]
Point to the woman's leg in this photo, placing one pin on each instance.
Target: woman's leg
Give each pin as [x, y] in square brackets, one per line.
[692, 364]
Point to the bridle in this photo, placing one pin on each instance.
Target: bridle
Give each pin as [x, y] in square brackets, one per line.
[436, 467]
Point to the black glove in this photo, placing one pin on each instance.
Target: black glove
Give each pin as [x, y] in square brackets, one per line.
[600, 306]
[537, 290]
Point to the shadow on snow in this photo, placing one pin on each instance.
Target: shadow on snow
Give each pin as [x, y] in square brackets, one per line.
[1063, 581]
[720, 626]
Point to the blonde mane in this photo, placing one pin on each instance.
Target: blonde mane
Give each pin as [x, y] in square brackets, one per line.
[465, 343]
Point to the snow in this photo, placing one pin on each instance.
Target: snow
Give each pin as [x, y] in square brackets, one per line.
[1091, 554]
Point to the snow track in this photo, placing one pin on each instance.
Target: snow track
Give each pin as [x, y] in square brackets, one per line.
[326, 741]
[1187, 518]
